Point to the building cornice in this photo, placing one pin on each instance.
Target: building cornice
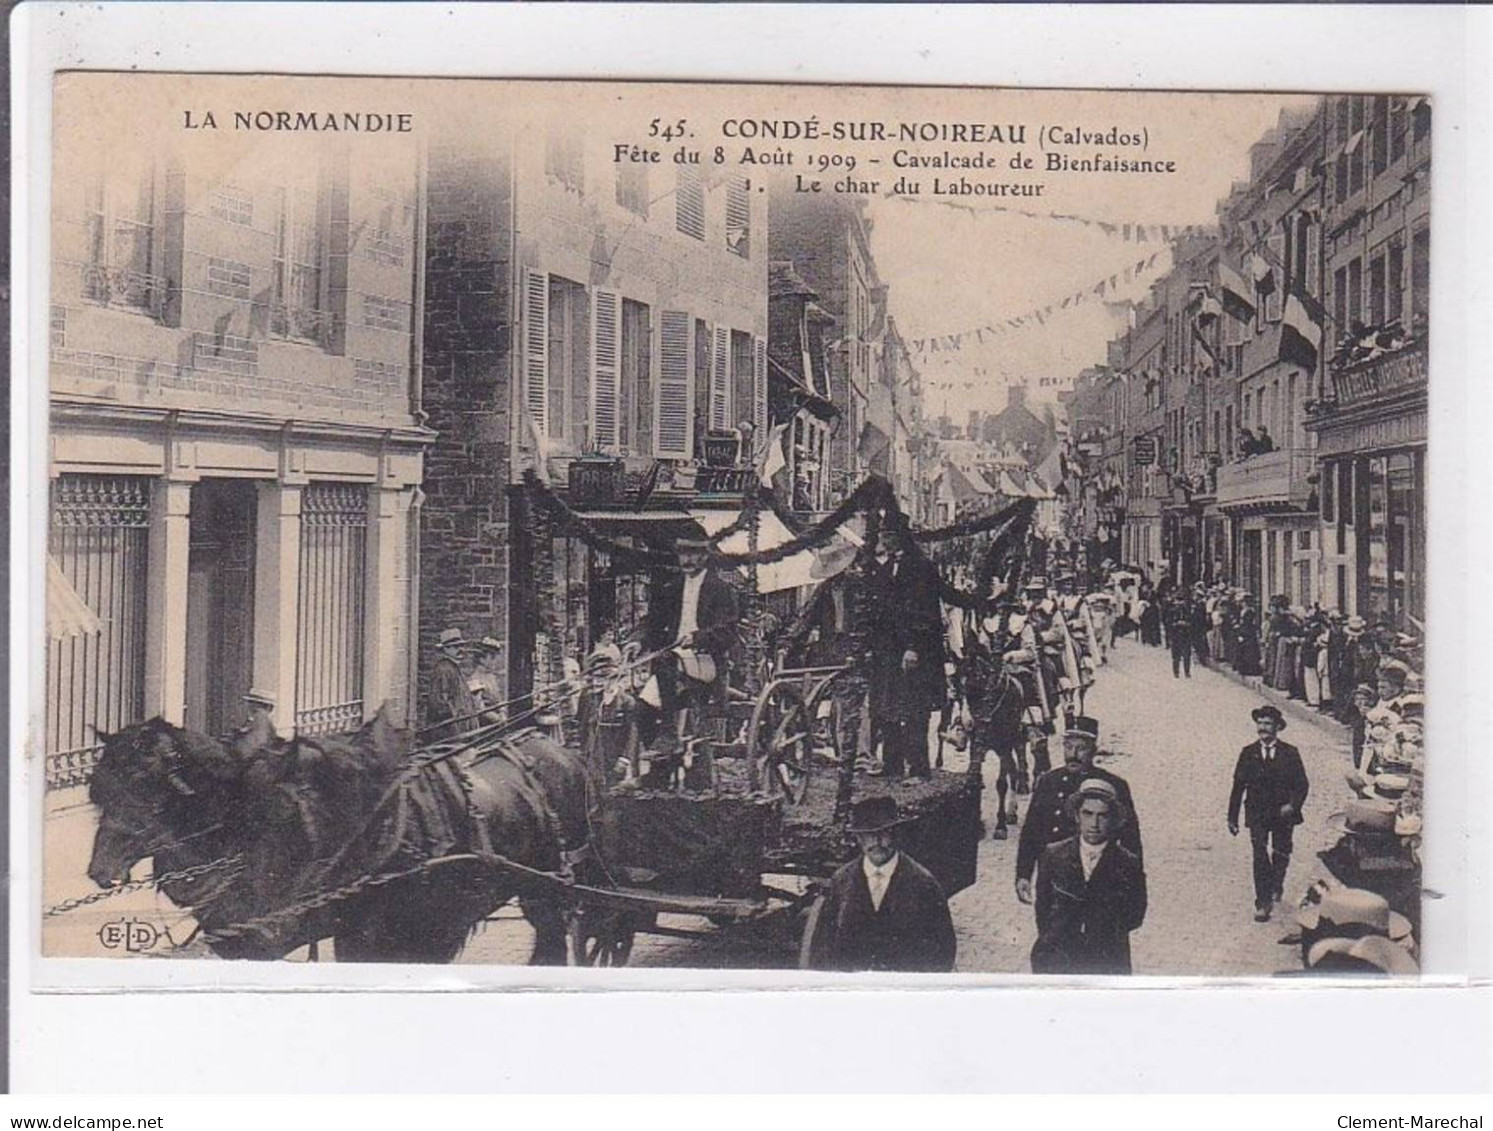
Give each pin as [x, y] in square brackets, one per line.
[80, 410]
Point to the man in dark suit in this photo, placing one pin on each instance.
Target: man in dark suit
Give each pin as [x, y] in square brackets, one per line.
[1048, 818]
[907, 645]
[695, 613]
[1270, 782]
[1091, 891]
[883, 910]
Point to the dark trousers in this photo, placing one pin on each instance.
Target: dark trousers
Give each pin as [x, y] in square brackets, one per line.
[1270, 866]
[905, 743]
[1181, 657]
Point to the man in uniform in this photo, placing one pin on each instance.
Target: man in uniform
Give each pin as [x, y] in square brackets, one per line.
[1049, 818]
[450, 701]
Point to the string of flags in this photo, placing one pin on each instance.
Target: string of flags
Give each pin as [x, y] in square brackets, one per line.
[1129, 233]
[978, 335]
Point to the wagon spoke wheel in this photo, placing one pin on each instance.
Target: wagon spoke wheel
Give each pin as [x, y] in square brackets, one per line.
[780, 741]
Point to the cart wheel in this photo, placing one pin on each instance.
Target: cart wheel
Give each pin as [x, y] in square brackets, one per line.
[811, 928]
[780, 741]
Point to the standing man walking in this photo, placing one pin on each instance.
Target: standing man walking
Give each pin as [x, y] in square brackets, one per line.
[1179, 636]
[1049, 818]
[1091, 891]
[1270, 782]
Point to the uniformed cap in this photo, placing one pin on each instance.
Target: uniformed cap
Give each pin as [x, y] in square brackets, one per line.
[1083, 727]
[258, 697]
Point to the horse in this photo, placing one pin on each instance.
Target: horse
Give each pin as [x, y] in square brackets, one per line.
[289, 821]
[998, 707]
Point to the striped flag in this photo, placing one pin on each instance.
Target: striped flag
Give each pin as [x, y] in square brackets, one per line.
[1238, 300]
[1301, 329]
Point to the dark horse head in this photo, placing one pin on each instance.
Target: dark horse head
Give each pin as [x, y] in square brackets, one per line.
[166, 793]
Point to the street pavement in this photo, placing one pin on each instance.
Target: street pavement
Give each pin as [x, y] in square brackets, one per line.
[1174, 741]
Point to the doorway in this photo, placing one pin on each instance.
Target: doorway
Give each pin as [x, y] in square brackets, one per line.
[220, 605]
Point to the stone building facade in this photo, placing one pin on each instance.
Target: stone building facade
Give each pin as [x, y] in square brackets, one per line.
[236, 442]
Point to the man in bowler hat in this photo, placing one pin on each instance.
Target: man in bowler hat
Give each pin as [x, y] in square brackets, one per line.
[1048, 818]
[883, 910]
[1270, 782]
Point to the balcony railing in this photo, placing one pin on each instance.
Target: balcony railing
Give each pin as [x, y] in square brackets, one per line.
[1277, 478]
[120, 286]
[1381, 376]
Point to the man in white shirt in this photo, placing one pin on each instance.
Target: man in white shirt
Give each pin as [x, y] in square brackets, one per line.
[1091, 890]
[883, 910]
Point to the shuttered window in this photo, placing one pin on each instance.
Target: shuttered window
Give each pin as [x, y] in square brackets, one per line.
[536, 349]
[739, 217]
[637, 377]
[689, 202]
[606, 373]
[675, 386]
[720, 408]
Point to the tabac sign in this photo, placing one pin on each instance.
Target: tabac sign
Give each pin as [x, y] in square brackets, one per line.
[1145, 451]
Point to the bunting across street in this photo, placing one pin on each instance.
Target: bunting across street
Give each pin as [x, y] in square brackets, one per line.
[978, 335]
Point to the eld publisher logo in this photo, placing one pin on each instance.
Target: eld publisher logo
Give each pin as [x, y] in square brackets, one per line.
[133, 935]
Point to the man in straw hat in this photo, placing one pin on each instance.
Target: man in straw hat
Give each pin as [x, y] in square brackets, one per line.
[1091, 891]
[1049, 819]
[450, 700]
[1270, 782]
[883, 910]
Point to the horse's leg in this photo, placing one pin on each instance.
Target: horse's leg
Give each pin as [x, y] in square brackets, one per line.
[548, 921]
[1002, 785]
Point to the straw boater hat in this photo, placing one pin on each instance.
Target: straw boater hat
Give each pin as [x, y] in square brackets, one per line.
[875, 815]
[1098, 787]
[1350, 912]
[1372, 951]
[258, 697]
[490, 644]
[1371, 818]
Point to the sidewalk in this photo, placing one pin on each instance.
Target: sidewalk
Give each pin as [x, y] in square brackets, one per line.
[1295, 707]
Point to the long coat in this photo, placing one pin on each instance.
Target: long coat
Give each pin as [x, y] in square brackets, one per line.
[911, 932]
[1264, 787]
[1083, 926]
[906, 616]
[1047, 819]
[450, 699]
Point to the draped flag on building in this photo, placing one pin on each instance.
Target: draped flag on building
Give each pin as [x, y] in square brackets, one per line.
[773, 459]
[1238, 296]
[1301, 329]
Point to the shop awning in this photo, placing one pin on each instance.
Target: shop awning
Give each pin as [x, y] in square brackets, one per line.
[68, 615]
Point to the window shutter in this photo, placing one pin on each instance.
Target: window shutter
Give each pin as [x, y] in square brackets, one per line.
[536, 349]
[759, 389]
[606, 385]
[689, 199]
[673, 404]
[720, 376]
[739, 216]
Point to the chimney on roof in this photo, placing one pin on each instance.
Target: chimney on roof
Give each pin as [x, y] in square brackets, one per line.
[1015, 396]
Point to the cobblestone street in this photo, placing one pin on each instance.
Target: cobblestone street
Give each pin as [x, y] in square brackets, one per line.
[1163, 738]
